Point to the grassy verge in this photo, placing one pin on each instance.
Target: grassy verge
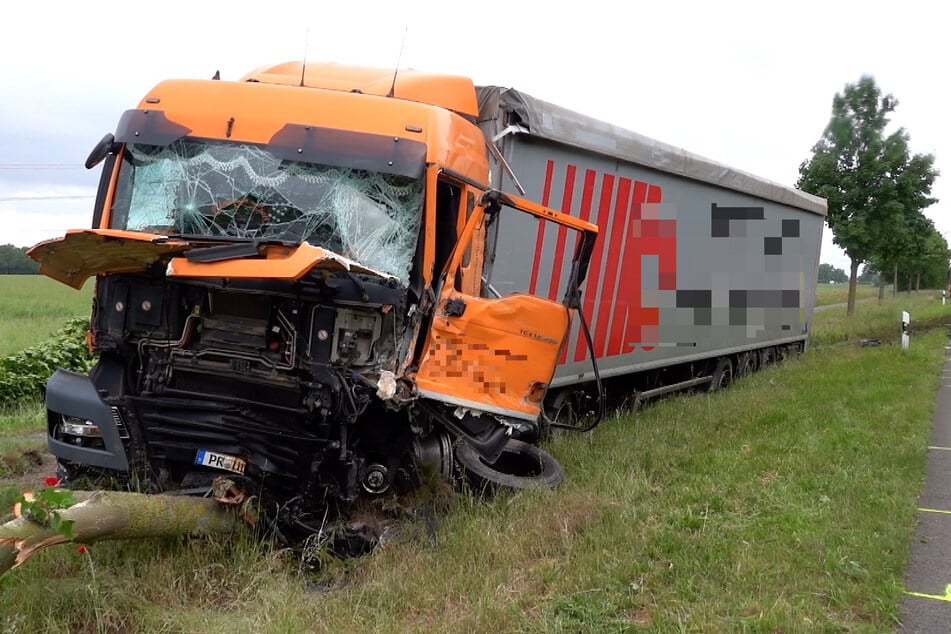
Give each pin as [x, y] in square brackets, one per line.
[827, 294]
[785, 503]
[879, 320]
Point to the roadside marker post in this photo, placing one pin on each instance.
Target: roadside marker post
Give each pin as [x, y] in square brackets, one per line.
[905, 321]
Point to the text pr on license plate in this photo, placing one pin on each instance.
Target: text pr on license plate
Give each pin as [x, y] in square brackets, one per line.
[220, 461]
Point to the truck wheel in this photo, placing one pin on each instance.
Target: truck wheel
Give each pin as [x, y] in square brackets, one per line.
[766, 357]
[746, 364]
[722, 375]
[571, 407]
[521, 466]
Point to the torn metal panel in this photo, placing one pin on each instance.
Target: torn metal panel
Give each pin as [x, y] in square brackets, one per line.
[82, 253]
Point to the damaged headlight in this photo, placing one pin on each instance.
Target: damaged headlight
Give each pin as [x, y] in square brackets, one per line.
[73, 426]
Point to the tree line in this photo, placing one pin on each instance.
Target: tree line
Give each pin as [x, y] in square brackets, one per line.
[14, 261]
[877, 191]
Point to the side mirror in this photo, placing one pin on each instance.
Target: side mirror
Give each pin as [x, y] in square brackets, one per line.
[105, 147]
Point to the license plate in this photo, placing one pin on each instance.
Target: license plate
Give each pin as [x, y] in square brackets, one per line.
[220, 461]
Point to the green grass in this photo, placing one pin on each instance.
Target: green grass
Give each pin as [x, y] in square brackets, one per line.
[785, 503]
[879, 320]
[827, 294]
[21, 439]
[32, 307]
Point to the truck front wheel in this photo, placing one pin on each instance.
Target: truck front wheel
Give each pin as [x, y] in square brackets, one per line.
[520, 466]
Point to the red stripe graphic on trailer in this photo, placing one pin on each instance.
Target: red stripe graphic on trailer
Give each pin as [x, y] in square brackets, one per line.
[594, 272]
[540, 236]
[566, 199]
[587, 192]
[628, 302]
[663, 234]
[667, 247]
[606, 296]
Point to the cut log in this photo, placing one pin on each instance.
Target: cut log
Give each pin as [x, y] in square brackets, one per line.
[105, 515]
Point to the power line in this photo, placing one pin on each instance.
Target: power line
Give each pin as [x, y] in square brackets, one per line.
[12, 199]
[39, 166]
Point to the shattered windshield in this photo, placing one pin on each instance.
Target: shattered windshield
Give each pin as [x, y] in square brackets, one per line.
[234, 190]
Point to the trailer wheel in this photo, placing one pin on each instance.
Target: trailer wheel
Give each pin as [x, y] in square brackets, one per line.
[573, 408]
[722, 375]
[766, 357]
[521, 466]
[746, 364]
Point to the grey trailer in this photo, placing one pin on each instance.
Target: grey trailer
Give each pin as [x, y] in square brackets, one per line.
[701, 272]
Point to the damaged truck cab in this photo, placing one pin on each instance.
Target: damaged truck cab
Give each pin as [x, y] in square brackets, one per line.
[291, 289]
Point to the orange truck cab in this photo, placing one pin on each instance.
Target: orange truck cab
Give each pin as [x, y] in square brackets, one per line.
[290, 291]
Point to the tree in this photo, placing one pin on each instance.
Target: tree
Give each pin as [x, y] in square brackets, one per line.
[869, 180]
[13, 261]
[829, 273]
[869, 274]
[926, 262]
[56, 516]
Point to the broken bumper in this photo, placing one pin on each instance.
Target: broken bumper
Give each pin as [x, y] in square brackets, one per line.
[72, 403]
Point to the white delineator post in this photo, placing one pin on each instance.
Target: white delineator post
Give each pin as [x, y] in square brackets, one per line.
[905, 321]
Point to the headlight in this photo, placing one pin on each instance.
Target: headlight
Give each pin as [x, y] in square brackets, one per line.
[73, 426]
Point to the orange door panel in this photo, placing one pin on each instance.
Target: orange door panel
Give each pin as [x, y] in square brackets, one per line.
[498, 355]
[495, 354]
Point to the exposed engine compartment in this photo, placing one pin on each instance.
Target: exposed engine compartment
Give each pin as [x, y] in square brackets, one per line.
[274, 382]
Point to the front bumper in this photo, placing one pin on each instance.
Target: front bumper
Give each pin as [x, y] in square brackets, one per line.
[72, 394]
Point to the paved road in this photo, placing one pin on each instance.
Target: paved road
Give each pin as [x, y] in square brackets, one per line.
[926, 608]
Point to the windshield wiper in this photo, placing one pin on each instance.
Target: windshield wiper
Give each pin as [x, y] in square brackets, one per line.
[204, 237]
[222, 252]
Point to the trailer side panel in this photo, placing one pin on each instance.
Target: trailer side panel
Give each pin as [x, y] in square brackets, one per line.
[684, 269]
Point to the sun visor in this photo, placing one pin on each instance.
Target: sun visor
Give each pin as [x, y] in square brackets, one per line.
[149, 127]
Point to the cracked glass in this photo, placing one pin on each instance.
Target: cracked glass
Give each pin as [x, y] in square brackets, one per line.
[241, 191]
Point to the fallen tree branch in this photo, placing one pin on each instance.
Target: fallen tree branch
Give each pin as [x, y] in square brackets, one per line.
[105, 515]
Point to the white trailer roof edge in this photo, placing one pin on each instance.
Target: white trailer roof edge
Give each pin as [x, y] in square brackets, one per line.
[555, 123]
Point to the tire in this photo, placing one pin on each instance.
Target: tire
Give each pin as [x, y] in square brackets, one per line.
[767, 356]
[746, 364]
[521, 466]
[785, 352]
[570, 407]
[722, 375]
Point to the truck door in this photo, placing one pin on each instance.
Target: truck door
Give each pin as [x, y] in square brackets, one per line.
[491, 353]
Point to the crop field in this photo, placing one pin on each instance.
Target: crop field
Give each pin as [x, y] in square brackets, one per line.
[784, 503]
[33, 307]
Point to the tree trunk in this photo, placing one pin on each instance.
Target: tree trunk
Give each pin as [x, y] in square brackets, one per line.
[103, 515]
[918, 282]
[881, 288]
[895, 281]
[853, 279]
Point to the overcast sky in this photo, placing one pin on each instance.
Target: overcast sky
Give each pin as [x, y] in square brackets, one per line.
[749, 84]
